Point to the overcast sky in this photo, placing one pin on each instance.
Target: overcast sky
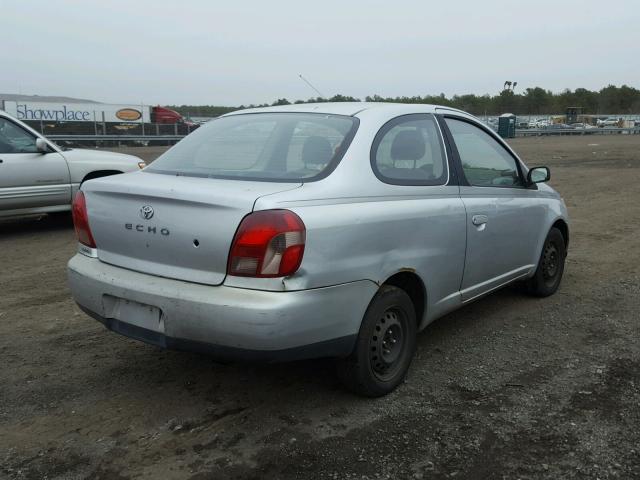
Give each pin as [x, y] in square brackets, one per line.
[251, 51]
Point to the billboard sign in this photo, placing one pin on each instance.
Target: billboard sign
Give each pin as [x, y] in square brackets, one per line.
[77, 112]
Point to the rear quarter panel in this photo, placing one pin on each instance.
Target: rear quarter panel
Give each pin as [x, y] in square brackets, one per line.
[376, 237]
[359, 228]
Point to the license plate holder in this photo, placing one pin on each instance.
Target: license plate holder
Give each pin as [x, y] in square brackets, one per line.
[134, 313]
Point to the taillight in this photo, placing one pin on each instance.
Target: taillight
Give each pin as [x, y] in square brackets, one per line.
[268, 243]
[81, 221]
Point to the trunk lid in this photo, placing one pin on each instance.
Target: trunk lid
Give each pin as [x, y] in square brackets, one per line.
[171, 226]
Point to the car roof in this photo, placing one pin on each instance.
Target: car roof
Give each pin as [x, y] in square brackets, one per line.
[347, 108]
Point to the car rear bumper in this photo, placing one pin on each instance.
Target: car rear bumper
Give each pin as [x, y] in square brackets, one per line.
[227, 322]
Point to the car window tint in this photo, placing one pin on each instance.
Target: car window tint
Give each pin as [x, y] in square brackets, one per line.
[14, 139]
[236, 148]
[410, 151]
[312, 146]
[485, 162]
[261, 146]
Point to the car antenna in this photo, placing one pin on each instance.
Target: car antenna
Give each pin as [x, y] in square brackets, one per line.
[309, 83]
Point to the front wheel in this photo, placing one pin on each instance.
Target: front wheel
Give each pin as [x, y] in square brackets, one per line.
[385, 346]
[548, 275]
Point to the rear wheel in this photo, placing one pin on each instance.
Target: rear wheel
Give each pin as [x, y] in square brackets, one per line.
[548, 275]
[385, 346]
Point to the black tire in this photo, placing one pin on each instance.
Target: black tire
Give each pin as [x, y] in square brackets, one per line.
[548, 275]
[385, 346]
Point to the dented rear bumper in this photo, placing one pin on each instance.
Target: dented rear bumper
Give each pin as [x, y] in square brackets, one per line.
[228, 322]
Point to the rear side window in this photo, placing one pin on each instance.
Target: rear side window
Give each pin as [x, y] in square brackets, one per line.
[408, 150]
[262, 146]
[485, 162]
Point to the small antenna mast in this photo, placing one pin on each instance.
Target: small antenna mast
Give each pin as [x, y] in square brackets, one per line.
[309, 83]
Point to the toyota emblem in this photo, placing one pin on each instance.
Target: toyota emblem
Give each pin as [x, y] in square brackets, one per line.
[146, 212]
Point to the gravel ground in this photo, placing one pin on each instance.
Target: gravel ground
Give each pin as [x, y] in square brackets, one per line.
[508, 387]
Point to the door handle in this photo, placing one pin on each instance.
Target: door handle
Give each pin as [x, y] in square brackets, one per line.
[478, 220]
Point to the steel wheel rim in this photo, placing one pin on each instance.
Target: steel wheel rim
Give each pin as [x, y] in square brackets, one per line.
[387, 344]
[550, 261]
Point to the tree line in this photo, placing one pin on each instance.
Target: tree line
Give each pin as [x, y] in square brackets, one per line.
[532, 101]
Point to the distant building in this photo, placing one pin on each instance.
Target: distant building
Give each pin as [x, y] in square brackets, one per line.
[13, 97]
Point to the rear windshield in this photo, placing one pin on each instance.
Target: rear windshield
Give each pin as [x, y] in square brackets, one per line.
[262, 146]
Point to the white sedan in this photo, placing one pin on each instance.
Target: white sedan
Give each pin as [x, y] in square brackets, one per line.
[37, 176]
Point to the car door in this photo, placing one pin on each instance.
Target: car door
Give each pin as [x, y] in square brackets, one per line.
[504, 217]
[426, 214]
[30, 179]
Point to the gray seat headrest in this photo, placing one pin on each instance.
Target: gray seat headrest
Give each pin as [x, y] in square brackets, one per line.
[316, 151]
[408, 145]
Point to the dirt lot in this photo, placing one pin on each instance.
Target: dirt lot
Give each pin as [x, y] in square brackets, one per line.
[509, 387]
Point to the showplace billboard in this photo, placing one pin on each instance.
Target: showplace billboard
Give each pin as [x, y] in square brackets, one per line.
[77, 112]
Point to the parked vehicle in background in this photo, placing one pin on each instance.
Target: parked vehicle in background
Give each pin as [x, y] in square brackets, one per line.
[608, 122]
[165, 115]
[37, 176]
[559, 126]
[89, 112]
[75, 118]
[492, 123]
[583, 126]
[316, 230]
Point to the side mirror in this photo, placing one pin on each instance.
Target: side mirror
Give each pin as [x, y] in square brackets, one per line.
[41, 145]
[538, 175]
